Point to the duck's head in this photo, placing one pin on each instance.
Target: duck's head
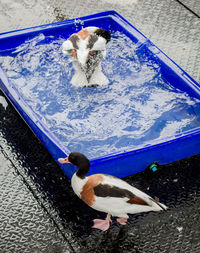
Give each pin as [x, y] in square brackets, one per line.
[88, 46]
[79, 160]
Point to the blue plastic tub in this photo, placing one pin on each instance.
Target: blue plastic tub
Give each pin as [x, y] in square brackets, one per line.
[150, 110]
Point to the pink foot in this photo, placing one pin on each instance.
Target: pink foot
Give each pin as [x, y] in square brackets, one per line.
[102, 224]
[122, 221]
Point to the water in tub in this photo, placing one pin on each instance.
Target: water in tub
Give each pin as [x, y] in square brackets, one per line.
[137, 106]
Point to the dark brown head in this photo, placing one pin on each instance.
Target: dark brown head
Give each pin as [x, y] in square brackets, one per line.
[103, 33]
[79, 160]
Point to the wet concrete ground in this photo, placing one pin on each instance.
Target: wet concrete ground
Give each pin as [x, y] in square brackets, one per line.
[39, 211]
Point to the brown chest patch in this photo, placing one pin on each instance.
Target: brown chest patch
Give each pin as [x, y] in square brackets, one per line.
[83, 34]
[137, 201]
[74, 53]
[87, 194]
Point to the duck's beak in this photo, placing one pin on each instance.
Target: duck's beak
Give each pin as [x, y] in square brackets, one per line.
[63, 160]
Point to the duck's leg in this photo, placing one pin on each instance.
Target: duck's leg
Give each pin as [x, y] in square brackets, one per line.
[102, 224]
[122, 221]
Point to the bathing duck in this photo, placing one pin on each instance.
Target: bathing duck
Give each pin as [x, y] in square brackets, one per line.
[87, 48]
[108, 194]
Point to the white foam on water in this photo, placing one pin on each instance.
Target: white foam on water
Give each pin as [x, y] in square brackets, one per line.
[137, 106]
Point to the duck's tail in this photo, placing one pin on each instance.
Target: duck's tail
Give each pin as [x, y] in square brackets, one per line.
[162, 206]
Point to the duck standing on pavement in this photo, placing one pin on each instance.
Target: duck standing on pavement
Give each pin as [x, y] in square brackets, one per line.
[108, 194]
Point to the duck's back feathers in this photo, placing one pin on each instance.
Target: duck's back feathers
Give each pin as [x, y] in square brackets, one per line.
[115, 196]
[105, 190]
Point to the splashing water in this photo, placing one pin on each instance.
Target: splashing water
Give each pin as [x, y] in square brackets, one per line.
[137, 107]
[79, 24]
